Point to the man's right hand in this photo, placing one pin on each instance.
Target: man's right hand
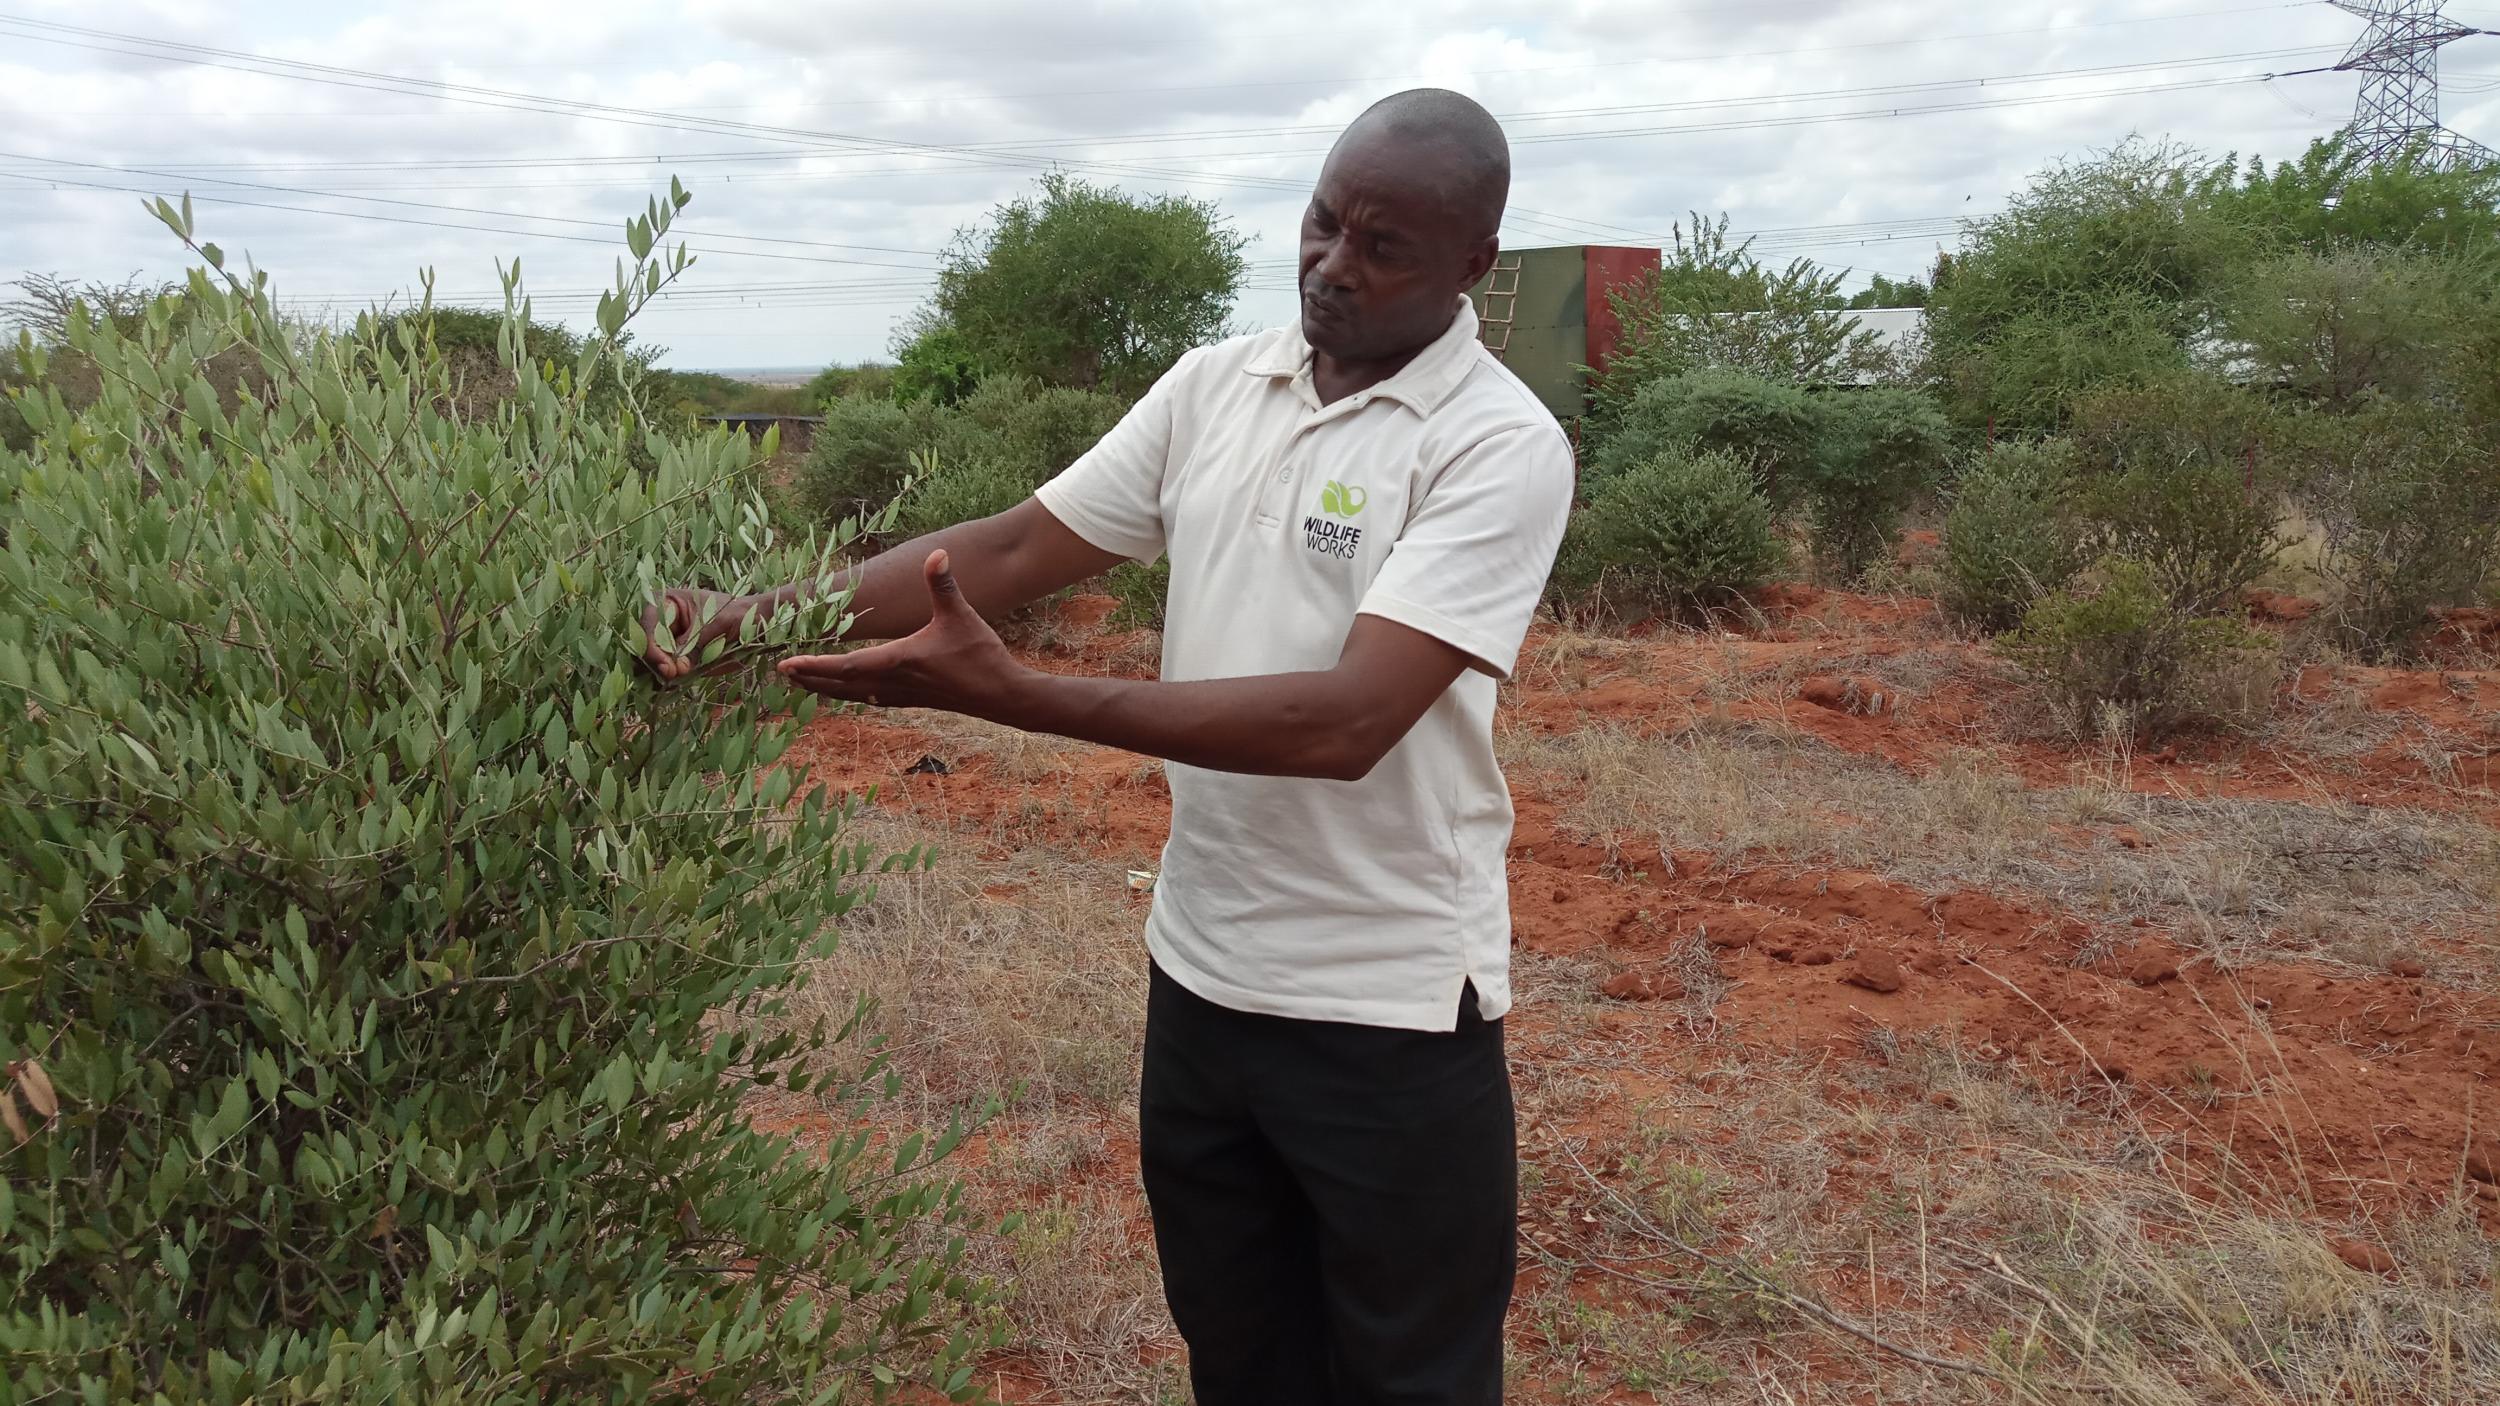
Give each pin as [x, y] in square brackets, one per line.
[692, 619]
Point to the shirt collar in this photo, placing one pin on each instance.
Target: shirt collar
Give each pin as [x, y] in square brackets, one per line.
[1420, 385]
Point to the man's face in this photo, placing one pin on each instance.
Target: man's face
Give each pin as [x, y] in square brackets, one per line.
[1382, 256]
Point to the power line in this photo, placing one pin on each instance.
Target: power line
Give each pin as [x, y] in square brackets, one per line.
[1197, 88]
[493, 98]
[1011, 148]
[455, 209]
[438, 224]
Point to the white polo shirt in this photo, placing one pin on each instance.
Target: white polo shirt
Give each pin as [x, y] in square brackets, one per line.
[1435, 499]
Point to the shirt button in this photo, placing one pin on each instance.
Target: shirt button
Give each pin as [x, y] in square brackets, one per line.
[1286, 476]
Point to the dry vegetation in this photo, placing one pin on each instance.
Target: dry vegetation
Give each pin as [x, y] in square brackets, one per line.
[2024, 1178]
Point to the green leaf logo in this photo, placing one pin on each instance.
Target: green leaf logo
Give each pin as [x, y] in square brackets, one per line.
[1341, 500]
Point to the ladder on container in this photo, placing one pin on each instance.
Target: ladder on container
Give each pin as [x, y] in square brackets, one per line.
[1493, 328]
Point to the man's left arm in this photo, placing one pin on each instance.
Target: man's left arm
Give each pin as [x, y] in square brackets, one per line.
[1458, 590]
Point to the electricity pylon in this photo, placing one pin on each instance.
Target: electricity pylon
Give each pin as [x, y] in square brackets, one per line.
[2397, 111]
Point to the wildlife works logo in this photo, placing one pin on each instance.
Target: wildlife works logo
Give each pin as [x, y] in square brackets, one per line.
[1328, 536]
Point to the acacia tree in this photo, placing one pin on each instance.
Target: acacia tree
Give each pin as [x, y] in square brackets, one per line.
[2333, 197]
[1086, 286]
[2100, 272]
[1713, 305]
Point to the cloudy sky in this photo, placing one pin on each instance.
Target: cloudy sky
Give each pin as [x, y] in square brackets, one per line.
[832, 148]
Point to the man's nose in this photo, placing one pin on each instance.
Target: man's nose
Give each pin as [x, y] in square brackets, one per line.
[1336, 265]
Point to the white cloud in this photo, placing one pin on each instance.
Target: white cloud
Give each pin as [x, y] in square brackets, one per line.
[949, 74]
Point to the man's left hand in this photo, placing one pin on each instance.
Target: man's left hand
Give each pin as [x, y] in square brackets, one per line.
[955, 663]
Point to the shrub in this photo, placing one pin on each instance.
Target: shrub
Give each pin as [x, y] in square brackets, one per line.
[2409, 498]
[2100, 271]
[934, 363]
[1142, 590]
[1880, 450]
[999, 444]
[2012, 535]
[862, 456]
[2203, 536]
[2121, 659]
[2037, 362]
[1713, 305]
[1770, 427]
[867, 380]
[983, 455]
[2179, 477]
[1679, 532]
[2352, 325]
[372, 920]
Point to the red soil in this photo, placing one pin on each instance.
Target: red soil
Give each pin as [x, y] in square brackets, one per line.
[2283, 1079]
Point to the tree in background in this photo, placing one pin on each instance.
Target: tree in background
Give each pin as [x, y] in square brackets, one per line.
[1884, 292]
[2134, 265]
[2339, 326]
[1713, 305]
[1089, 287]
[2100, 272]
[866, 380]
[933, 362]
[46, 312]
[2332, 198]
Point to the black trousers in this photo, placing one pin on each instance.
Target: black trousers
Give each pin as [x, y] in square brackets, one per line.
[1335, 1206]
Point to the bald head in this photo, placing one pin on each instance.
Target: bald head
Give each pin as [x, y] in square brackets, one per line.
[1406, 217]
[1446, 139]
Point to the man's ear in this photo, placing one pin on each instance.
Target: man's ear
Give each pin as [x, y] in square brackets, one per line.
[1480, 261]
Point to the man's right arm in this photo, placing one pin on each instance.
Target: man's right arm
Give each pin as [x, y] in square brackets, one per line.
[1105, 509]
[1003, 561]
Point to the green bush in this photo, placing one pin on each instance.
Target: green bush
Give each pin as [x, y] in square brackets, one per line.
[2201, 533]
[2012, 535]
[1772, 427]
[2179, 475]
[2101, 271]
[867, 380]
[2119, 659]
[2352, 326]
[1881, 449]
[15, 433]
[398, 957]
[1142, 590]
[982, 455]
[862, 456]
[935, 365]
[2409, 497]
[1682, 531]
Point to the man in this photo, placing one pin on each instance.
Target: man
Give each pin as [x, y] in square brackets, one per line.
[1360, 513]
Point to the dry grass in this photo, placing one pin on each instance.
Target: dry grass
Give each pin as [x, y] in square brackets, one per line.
[1025, 977]
[1954, 1211]
[1022, 979]
[2234, 876]
[1698, 1215]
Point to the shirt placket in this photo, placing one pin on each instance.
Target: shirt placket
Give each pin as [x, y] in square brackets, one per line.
[1277, 495]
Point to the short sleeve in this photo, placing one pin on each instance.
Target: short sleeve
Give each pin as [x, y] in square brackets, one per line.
[1112, 496]
[1470, 566]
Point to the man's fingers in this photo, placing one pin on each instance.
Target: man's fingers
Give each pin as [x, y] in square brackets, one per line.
[654, 653]
[944, 594]
[851, 678]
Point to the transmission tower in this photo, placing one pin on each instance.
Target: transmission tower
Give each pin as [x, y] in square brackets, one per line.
[2397, 111]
